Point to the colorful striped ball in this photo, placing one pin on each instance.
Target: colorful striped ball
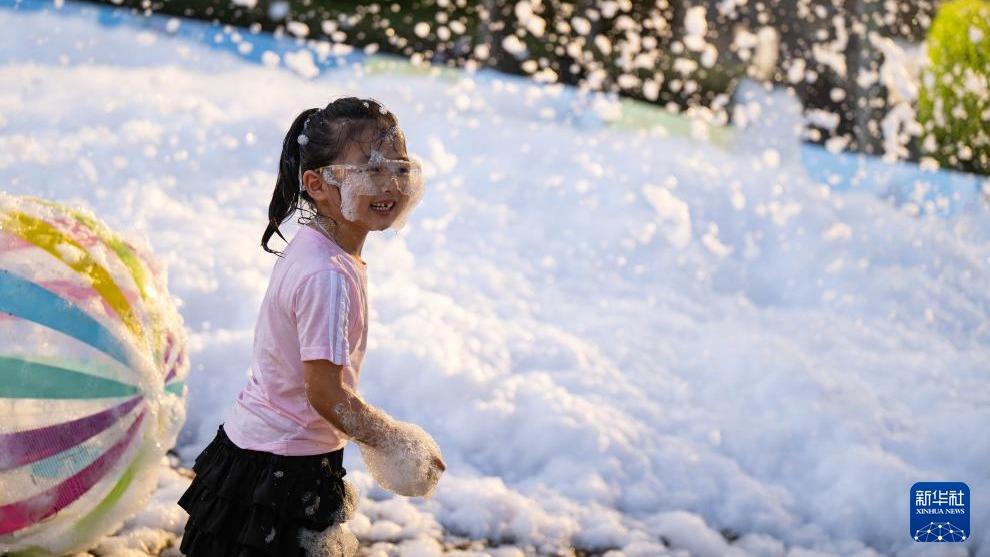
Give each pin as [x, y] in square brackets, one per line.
[92, 366]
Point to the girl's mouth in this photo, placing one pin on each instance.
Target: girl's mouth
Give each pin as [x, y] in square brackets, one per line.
[383, 208]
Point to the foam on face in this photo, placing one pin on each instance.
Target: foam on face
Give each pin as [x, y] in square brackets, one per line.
[376, 156]
[357, 184]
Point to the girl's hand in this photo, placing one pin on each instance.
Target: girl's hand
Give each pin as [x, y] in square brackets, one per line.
[439, 463]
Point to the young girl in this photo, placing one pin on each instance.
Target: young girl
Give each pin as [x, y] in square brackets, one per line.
[273, 474]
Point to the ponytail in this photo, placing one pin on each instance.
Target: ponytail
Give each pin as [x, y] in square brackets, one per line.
[285, 198]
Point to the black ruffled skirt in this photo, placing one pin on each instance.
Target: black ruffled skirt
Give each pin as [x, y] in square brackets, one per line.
[245, 503]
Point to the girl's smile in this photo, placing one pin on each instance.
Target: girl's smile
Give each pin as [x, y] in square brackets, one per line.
[383, 208]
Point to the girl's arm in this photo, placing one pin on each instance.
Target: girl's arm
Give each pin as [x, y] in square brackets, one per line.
[345, 409]
[323, 343]
[401, 456]
[341, 406]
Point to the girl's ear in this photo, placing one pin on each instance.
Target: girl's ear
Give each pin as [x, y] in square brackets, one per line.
[314, 184]
[319, 190]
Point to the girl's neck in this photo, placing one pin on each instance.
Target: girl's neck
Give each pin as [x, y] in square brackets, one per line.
[349, 240]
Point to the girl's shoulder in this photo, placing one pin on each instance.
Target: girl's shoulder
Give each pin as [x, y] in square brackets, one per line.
[312, 260]
[330, 278]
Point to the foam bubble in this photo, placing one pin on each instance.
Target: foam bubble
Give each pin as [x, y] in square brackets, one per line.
[346, 510]
[404, 463]
[401, 456]
[336, 540]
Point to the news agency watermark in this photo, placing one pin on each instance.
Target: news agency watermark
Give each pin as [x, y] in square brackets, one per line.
[940, 512]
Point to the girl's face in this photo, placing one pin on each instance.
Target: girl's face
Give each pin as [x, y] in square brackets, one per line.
[378, 209]
[368, 210]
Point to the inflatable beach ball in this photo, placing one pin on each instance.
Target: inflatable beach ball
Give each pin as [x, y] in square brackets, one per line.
[92, 362]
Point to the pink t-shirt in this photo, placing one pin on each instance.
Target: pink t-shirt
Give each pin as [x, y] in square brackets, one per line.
[315, 309]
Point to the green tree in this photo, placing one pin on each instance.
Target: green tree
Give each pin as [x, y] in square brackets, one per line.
[954, 100]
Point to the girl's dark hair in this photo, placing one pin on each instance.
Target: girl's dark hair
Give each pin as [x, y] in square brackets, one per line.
[316, 138]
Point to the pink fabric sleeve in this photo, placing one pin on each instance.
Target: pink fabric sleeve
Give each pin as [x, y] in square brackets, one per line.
[321, 306]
